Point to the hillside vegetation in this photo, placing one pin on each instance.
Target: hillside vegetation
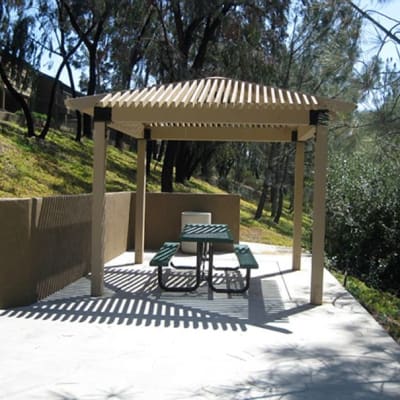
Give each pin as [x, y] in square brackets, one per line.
[30, 167]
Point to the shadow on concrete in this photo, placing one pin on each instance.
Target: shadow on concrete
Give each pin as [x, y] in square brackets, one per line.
[128, 393]
[316, 372]
[132, 297]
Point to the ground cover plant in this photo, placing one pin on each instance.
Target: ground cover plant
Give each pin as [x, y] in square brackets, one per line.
[384, 306]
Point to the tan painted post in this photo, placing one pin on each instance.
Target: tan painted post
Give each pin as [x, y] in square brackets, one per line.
[140, 207]
[98, 203]
[318, 235]
[298, 205]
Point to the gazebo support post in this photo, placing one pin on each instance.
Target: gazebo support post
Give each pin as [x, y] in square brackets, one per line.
[298, 205]
[318, 235]
[98, 204]
[140, 206]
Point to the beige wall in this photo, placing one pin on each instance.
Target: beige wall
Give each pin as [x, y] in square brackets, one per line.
[45, 242]
[163, 214]
[17, 280]
[117, 224]
[60, 241]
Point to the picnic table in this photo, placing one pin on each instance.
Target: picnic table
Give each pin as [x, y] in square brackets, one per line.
[204, 235]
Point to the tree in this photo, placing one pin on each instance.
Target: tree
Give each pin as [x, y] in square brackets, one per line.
[19, 54]
[390, 34]
[131, 31]
[88, 20]
[187, 29]
[66, 48]
[383, 88]
[322, 50]
[194, 43]
[26, 37]
[362, 197]
[129, 34]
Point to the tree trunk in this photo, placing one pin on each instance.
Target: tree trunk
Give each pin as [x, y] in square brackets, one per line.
[21, 101]
[205, 168]
[78, 135]
[267, 179]
[281, 188]
[149, 156]
[261, 202]
[279, 205]
[87, 126]
[274, 200]
[161, 150]
[209, 149]
[50, 107]
[118, 140]
[182, 156]
[168, 167]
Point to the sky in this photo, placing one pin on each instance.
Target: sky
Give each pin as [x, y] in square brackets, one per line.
[369, 42]
[391, 8]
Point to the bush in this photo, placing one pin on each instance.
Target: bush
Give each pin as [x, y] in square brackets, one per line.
[363, 220]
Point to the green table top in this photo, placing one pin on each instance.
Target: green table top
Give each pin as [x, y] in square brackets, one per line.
[206, 233]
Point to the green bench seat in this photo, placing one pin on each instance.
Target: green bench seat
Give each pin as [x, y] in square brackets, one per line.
[246, 260]
[245, 256]
[163, 259]
[164, 255]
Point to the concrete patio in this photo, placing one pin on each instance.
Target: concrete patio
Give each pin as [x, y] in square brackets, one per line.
[139, 343]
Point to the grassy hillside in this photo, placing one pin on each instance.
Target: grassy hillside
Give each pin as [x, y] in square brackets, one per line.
[59, 165]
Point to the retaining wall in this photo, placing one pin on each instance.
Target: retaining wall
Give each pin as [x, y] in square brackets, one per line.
[45, 242]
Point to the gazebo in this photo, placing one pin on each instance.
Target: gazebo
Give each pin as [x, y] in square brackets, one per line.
[212, 109]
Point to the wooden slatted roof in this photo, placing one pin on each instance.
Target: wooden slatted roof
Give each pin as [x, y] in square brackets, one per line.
[210, 92]
[213, 92]
[213, 103]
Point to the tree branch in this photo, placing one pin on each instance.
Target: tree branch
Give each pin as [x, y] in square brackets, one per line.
[376, 23]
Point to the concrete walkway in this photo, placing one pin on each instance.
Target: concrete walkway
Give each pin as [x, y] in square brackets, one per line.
[139, 343]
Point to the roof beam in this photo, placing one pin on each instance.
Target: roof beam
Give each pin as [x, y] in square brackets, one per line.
[305, 133]
[224, 134]
[135, 130]
[84, 104]
[243, 115]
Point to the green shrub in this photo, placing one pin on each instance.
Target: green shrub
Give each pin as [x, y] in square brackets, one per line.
[363, 219]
